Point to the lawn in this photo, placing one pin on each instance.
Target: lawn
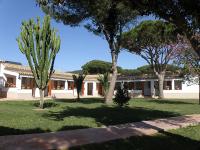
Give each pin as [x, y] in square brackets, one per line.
[181, 139]
[23, 117]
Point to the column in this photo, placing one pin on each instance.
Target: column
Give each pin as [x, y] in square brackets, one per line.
[66, 85]
[18, 82]
[122, 84]
[86, 90]
[172, 84]
[152, 89]
[95, 93]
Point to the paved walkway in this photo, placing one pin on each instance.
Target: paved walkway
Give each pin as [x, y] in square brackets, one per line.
[66, 139]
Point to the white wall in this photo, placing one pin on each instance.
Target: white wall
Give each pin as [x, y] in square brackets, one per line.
[187, 92]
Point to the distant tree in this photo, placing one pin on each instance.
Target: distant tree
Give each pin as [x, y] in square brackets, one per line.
[131, 72]
[76, 71]
[99, 67]
[182, 13]
[147, 69]
[105, 18]
[104, 81]
[39, 44]
[153, 41]
[78, 82]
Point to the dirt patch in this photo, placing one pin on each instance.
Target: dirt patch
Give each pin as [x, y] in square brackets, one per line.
[39, 109]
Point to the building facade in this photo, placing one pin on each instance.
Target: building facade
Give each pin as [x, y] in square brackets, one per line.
[16, 82]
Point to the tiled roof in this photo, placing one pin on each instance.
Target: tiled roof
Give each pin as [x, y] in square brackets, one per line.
[25, 70]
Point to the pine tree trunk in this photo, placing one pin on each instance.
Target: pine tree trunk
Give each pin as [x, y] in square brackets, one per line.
[78, 95]
[41, 98]
[194, 44]
[111, 89]
[161, 83]
[104, 95]
[199, 89]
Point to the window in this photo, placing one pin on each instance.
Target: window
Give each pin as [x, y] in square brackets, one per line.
[117, 85]
[138, 86]
[70, 85]
[11, 82]
[177, 84]
[27, 83]
[58, 85]
[167, 85]
[131, 85]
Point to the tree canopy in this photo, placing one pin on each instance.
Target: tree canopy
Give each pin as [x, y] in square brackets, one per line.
[154, 41]
[182, 13]
[101, 67]
[98, 67]
[147, 69]
[106, 18]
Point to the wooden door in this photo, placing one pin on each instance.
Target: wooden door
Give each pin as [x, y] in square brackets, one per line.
[83, 88]
[90, 89]
[49, 87]
[100, 89]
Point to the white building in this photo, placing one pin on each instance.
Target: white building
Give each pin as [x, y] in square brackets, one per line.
[16, 82]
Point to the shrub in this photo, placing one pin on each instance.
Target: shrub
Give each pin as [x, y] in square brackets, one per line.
[46, 104]
[121, 97]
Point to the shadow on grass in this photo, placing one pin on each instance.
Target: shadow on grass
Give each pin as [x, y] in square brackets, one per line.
[14, 131]
[174, 102]
[82, 100]
[106, 115]
[164, 141]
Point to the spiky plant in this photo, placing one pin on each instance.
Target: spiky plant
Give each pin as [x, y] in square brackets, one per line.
[40, 44]
[78, 82]
[104, 81]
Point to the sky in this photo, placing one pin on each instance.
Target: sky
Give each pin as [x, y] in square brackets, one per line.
[78, 46]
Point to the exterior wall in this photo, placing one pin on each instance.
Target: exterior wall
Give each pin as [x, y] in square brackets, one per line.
[14, 93]
[136, 93]
[62, 94]
[187, 92]
[94, 91]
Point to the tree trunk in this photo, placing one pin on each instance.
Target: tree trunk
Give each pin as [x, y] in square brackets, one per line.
[195, 44]
[104, 94]
[161, 78]
[199, 89]
[78, 95]
[111, 89]
[41, 98]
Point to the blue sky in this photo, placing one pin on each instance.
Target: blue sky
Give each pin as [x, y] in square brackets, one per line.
[78, 46]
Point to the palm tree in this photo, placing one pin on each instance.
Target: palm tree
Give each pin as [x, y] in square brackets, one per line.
[78, 82]
[104, 81]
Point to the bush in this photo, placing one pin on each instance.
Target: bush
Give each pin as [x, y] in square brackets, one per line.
[46, 104]
[121, 97]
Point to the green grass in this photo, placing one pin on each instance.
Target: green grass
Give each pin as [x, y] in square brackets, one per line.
[22, 117]
[181, 139]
